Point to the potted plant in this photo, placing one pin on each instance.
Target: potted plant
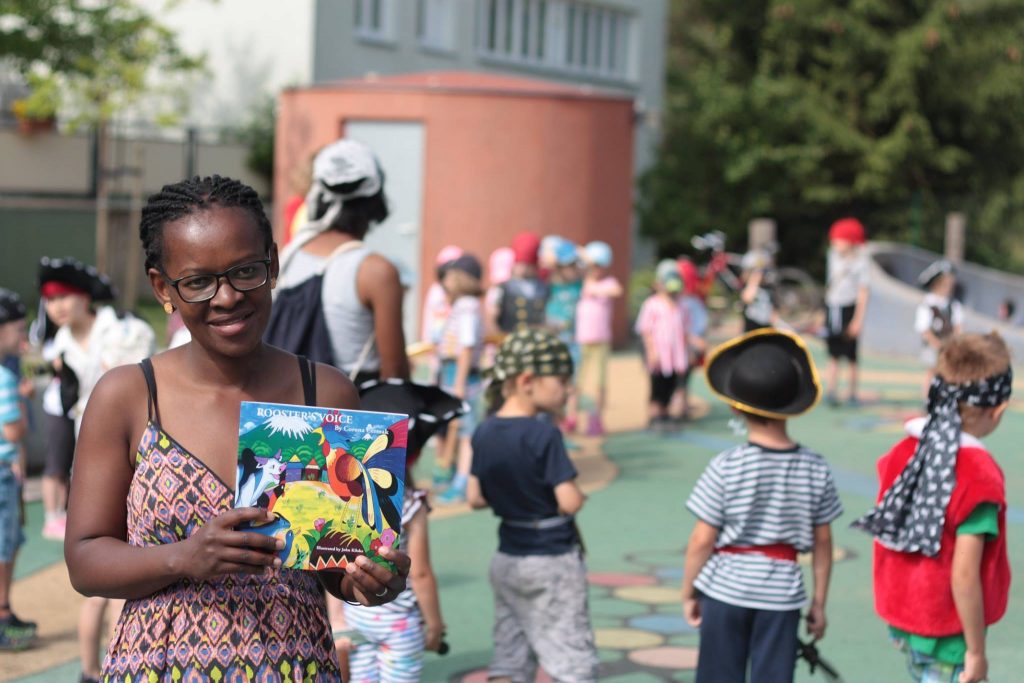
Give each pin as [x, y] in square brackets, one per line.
[37, 113]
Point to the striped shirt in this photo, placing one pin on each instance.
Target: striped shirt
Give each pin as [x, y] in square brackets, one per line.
[10, 411]
[759, 496]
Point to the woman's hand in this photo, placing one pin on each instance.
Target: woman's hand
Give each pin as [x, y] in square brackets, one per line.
[373, 584]
[218, 549]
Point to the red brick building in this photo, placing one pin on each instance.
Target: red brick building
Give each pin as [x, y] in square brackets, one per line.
[472, 159]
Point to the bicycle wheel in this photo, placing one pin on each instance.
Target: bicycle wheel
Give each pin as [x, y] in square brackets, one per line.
[798, 298]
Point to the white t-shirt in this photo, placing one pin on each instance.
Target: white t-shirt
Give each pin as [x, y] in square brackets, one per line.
[935, 313]
[846, 276]
[112, 342]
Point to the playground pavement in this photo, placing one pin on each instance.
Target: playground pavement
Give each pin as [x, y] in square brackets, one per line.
[635, 528]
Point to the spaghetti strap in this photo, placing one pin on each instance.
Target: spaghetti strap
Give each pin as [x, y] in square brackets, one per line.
[147, 371]
[308, 372]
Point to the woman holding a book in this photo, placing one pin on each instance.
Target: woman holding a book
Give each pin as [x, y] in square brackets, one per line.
[150, 516]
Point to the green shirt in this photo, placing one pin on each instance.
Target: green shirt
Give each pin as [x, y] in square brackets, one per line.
[984, 520]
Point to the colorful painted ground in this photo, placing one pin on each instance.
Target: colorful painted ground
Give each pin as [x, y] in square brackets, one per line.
[635, 526]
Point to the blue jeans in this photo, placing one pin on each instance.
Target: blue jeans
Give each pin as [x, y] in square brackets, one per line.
[11, 534]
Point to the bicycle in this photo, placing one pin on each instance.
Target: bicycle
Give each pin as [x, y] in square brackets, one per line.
[797, 297]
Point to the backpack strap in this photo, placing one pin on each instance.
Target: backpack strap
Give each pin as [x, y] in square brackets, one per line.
[367, 347]
[293, 248]
[338, 251]
[307, 371]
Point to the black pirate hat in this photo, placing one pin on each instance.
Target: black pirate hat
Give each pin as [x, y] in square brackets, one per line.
[766, 372]
[429, 408]
[11, 307]
[74, 274]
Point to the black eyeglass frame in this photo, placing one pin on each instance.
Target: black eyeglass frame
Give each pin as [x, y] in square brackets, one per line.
[225, 274]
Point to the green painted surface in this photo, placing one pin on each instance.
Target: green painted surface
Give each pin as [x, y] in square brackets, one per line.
[639, 524]
[29, 234]
[38, 552]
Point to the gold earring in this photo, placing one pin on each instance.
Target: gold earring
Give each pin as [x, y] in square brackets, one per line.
[168, 307]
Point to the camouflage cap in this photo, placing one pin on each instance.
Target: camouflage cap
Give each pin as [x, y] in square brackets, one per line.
[526, 350]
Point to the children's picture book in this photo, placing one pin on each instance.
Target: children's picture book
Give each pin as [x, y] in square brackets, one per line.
[333, 480]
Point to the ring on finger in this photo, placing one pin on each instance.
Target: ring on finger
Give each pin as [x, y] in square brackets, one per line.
[383, 592]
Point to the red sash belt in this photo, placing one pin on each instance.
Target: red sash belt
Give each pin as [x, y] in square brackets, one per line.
[776, 551]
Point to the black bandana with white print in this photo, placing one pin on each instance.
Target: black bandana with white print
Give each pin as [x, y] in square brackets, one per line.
[912, 513]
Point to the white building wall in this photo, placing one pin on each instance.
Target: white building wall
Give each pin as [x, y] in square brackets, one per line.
[253, 48]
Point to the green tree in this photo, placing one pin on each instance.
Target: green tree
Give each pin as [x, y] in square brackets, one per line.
[92, 60]
[100, 57]
[256, 132]
[896, 111]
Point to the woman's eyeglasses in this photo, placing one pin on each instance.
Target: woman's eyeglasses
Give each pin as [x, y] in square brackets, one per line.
[195, 289]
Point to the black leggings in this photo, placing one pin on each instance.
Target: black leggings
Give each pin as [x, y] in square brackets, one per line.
[662, 388]
[60, 446]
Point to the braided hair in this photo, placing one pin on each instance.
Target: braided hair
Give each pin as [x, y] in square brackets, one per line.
[190, 196]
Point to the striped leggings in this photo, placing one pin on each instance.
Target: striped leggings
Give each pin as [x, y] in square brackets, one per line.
[393, 650]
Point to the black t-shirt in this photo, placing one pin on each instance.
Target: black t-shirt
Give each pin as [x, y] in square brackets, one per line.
[519, 462]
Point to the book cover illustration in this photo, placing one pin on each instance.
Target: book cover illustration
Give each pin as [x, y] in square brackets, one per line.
[333, 479]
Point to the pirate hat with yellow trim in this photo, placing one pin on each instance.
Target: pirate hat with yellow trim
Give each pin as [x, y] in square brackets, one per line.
[766, 372]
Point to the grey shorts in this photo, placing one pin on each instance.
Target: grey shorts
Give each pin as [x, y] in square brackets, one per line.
[541, 616]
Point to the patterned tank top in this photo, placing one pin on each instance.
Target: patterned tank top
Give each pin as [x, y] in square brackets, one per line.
[238, 627]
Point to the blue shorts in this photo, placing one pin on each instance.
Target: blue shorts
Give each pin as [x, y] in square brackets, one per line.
[11, 534]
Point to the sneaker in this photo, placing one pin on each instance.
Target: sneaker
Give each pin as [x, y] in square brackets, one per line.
[832, 400]
[12, 639]
[854, 402]
[85, 678]
[55, 528]
[442, 476]
[17, 623]
[453, 496]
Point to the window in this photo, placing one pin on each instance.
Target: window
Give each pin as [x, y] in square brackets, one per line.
[435, 21]
[375, 19]
[564, 35]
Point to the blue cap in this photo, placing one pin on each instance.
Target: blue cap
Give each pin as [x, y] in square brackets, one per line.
[565, 253]
[667, 268]
[599, 253]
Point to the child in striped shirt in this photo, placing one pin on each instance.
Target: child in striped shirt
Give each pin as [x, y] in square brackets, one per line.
[758, 505]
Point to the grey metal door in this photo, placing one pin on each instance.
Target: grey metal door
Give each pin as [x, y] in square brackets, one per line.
[399, 146]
